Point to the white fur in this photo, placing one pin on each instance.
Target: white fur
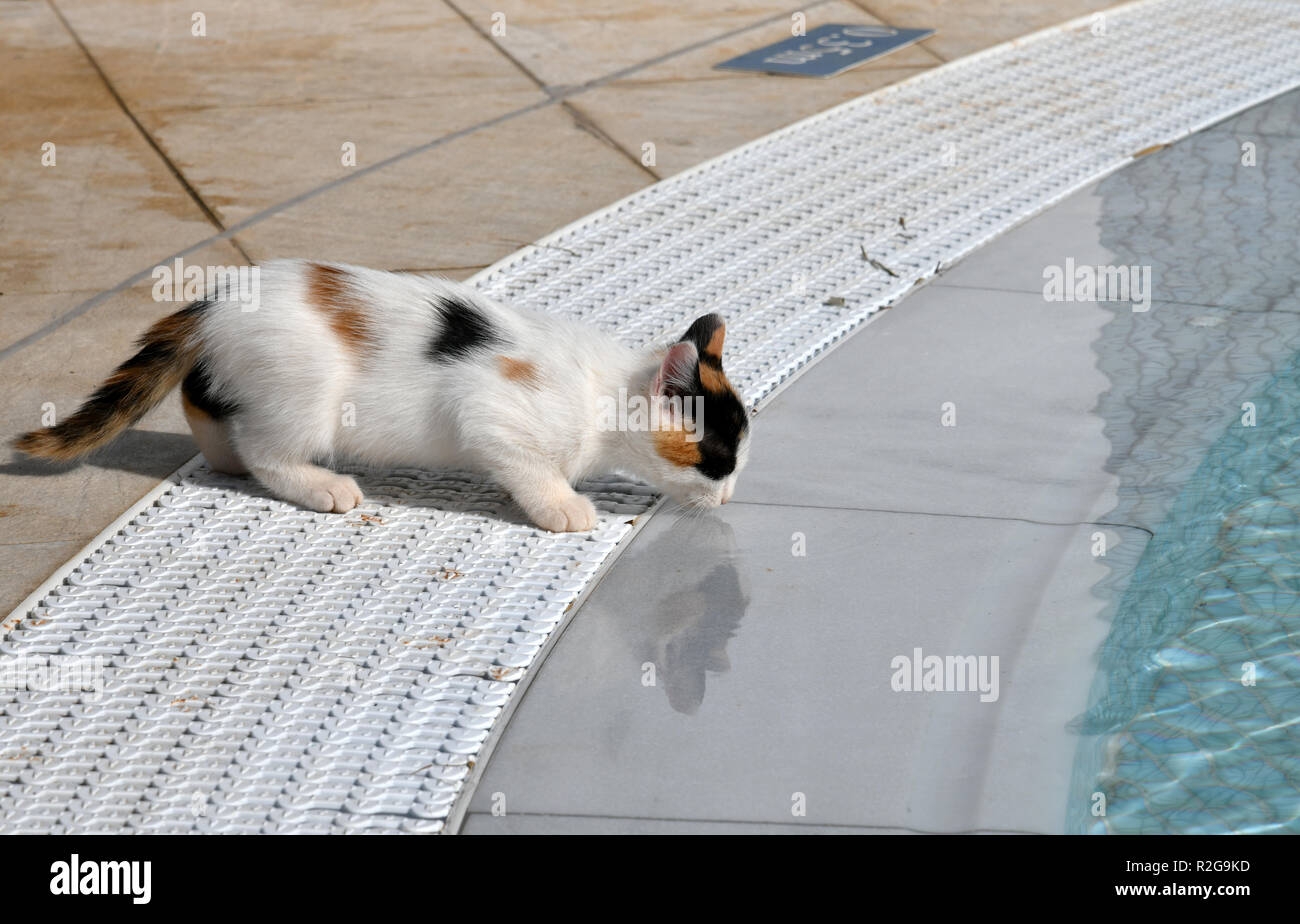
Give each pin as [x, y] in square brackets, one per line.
[294, 380]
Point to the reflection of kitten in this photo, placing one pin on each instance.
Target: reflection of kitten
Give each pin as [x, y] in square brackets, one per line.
[397, 370]
[699, 616]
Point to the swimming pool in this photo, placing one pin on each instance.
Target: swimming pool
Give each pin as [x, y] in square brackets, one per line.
[1193, 723]
[1199, 693]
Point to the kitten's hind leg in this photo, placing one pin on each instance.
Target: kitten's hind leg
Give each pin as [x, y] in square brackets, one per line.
[213, 438]
[308, 485]
[545, 495]
[277, 446]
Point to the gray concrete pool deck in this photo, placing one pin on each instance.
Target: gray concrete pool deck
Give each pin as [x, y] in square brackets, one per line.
[731, 669]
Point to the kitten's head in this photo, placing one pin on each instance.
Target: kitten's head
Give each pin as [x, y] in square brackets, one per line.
[702, 441]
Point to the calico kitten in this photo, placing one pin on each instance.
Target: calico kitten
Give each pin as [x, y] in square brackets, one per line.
[386, 369]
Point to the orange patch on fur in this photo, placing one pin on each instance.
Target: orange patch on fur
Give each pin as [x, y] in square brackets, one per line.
[191, 409]
[519, 370]
[174, 331]
[44, 444]
[714, 346]
[330, 290]
[676, 448]
[714, 380]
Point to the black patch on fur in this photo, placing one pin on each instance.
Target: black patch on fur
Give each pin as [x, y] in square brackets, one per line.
[725, 418]
[99, 407]
[725, 422]
[200, 392]
[700, 333]
[195, 308]
[151, 355]
[464, 330]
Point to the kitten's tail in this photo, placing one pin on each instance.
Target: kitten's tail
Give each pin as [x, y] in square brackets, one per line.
[167, 353]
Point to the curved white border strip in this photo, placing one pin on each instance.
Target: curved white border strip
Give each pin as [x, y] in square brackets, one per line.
[108, 532]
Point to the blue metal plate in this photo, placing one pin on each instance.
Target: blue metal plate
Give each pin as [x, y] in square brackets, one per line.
[826, 50]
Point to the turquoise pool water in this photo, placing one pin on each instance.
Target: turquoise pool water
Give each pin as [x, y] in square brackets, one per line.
[1196, 710]
[1193, 722]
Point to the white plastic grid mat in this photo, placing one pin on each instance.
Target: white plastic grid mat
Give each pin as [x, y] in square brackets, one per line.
[271, 669]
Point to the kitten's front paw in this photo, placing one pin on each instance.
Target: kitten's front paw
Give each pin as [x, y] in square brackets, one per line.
[574, 514]
[335, 494]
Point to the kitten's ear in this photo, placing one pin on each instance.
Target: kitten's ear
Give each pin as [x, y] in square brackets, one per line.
[707, 333]
[676, 375]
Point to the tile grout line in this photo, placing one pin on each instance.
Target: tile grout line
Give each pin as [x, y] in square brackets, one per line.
[185, 184]
[935, 513]
[502, 50]
[23, 543]
[938, 283]
[736, 821]
[439, 269]
[583, 121]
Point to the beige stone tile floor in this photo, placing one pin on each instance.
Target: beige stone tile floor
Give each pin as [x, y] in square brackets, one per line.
[227, 147]
[500, 189]
[690, 112]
